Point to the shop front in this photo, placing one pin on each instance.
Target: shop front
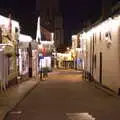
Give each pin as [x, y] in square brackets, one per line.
[7, 66]
[45, 50]
[23, 62]
[9, 32]
[44, 62]
[24, 56]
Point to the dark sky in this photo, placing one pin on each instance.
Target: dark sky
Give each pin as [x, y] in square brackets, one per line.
[75, 13]
[78, 11]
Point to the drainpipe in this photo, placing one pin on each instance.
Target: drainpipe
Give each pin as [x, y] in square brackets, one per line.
[30, 60]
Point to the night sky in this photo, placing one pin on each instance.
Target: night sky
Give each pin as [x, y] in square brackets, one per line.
[75, 13]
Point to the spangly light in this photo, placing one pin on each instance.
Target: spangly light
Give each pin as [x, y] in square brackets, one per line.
[47, 42]
[80, 37]
[110, 23]
[25, 38]
[106, 25]
[118, 17]
[68, 48]
[116, 20]
[78, 49]
[74, 37]
[83, 35]
[52, 37]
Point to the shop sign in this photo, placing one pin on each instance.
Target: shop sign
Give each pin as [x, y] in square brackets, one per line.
[108, 38]
[41, 57]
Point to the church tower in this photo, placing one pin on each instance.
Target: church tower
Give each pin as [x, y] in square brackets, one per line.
[51, 18]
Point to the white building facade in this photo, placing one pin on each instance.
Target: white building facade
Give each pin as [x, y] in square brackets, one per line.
[102, 56]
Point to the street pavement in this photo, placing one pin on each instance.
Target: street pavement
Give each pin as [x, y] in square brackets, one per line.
[65, 96]
[14, 94]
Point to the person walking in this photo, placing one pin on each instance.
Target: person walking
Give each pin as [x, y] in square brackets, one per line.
[45, 73]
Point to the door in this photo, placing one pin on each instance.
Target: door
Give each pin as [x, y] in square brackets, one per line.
[100, 68]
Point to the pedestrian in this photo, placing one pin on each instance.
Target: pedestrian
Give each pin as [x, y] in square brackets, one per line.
[45, 73]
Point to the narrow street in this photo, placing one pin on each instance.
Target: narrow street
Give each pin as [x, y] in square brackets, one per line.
[65, 96]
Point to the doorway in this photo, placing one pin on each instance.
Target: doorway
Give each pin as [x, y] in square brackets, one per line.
[100, 68]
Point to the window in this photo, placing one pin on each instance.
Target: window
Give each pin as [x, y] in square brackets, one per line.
[100, 36]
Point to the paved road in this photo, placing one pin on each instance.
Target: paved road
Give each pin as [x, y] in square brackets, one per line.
[65, 96]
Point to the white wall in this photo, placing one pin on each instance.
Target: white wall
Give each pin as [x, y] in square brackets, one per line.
[110, 56]
[111, 63]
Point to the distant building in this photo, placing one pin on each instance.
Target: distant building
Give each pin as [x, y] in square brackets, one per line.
[59, 31]
[47, 10]
[51, 19]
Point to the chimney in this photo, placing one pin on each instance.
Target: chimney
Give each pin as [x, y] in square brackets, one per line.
[106, 8]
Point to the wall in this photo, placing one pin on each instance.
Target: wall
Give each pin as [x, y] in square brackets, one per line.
[110, 55]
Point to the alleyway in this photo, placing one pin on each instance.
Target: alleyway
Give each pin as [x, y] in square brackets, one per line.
[64, 93]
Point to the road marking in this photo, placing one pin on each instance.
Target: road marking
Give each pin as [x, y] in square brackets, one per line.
[79, 116]
[16, 112]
